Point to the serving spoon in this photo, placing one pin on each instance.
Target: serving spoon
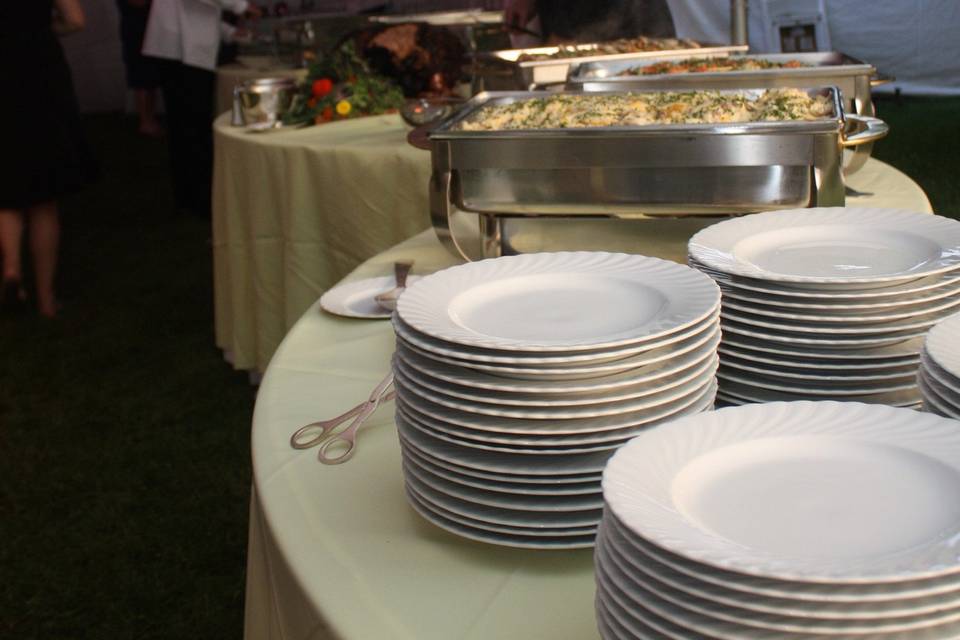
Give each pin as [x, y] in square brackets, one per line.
[388, 299]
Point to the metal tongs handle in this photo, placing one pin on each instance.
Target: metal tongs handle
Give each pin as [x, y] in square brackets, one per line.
[317, 432]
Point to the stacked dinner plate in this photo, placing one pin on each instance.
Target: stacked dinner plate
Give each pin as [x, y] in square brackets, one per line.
[939, 374]
[784, 520]
[828, 303]
[517, 378]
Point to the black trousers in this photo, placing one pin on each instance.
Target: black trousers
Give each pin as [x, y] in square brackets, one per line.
[188, 94]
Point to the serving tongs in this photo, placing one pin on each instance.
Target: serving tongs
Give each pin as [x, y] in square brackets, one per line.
[325, 434]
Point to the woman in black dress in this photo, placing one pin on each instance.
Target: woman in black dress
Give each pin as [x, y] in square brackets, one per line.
[44, 153]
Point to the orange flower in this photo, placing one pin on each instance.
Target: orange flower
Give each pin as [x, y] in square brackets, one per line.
[327, 114]
[312, 103]
[344, 108]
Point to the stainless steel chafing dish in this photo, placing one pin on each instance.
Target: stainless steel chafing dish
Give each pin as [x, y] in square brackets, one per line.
[853, 77]
[506, 68]
[635, 171]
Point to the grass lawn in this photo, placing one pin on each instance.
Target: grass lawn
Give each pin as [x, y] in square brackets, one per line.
[124, 455]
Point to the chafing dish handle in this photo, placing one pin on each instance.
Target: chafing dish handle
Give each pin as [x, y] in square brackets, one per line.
[879, 79]
[441, 186]
[866, 129]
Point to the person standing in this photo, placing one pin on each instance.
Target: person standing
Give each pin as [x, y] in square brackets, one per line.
[45, 155]
[143, 73]
[186, 35]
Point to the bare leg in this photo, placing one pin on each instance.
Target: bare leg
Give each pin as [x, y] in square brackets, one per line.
[44, 245]
[147, 111]
[11, 235]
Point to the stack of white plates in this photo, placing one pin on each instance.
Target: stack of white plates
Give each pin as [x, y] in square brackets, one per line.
[829, 303]
[939, 374]
[784, 520]
[517, 377]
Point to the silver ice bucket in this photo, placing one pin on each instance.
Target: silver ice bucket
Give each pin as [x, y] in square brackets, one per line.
[263, 101]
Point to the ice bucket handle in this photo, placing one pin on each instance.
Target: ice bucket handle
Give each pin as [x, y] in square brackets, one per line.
[862, 130]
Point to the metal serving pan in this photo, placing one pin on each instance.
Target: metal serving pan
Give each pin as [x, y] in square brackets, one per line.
[853, 77]
[636, 171]
[531, 74]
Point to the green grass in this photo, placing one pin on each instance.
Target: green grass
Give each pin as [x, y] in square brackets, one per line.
[124, 455]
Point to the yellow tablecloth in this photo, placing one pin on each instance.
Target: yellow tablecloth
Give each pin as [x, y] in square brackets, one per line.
[335, 552]
[294, 211]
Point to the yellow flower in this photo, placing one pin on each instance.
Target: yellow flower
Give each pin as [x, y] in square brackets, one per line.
[344, 107]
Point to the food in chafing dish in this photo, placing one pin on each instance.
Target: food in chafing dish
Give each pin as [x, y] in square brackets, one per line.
[710, 65]
[638, 109]
[625, 45]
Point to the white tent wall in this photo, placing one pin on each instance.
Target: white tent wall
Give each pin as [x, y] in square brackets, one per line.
[913, 40]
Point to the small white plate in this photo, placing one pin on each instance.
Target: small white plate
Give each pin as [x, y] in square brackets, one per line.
[808, 360]
[933, 398]
[563, 301]
[831, 246]
[835, 389]
[834, 340]
[356, 299]
[799, 491]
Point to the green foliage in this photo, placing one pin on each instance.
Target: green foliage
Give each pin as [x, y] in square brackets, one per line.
[357, 91]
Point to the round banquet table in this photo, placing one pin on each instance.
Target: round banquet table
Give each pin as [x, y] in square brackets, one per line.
[295, 211]
[336, 552]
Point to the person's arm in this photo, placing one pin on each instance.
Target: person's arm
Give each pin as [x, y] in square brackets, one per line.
[68, 17]
[517, 13]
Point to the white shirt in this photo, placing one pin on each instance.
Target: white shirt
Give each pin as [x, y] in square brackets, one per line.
[187, 30]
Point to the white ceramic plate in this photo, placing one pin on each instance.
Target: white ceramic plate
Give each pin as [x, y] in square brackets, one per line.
[670, 364]
[837, 390]
[558, 301]
[574, 467]
[654, 397]
[914, 596]
[831, 246]
[745, 613]
[840, 327]
[355, 299]
[899, 352]
[934, 401]
[752, 392]
[553, 358]
[501, 483]
[814, 361]
[633, 561]
[609, 399]
[850, 294]
[491, 537]
[831, 340]
[933, 371]
[944, 286]
[852, 317]
[532, 532]
[586, 425]
[943, 345]
[550, 503]
[859, 493]
[589, 373]
[813, 376]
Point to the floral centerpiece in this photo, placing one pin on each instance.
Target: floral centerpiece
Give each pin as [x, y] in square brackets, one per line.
[341, 85]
